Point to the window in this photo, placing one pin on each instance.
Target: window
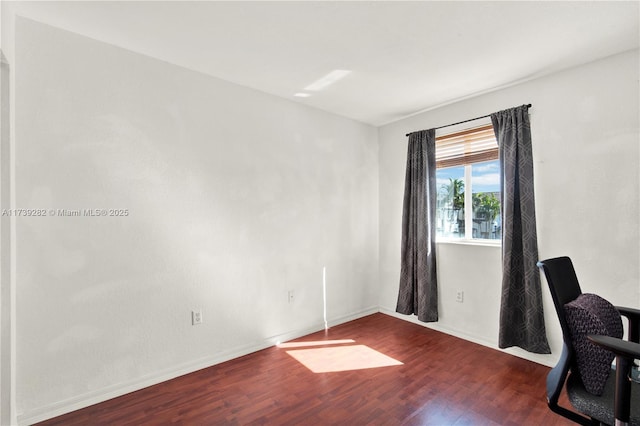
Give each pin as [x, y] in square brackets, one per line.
[468, 184]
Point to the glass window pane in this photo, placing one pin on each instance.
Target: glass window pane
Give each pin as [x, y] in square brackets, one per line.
[485, 178]
[450, 202]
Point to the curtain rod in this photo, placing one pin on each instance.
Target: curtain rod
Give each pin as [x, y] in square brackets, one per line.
[465, 121]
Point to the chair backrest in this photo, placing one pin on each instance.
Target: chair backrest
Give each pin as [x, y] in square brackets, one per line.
[564, 287]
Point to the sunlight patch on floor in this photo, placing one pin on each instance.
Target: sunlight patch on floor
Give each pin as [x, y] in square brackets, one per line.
[314, 343]
[342, 358]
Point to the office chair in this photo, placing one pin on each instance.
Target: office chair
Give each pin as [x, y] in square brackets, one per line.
[591, 333]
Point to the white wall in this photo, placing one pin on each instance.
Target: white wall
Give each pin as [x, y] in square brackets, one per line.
[234, 198]
[585, 143]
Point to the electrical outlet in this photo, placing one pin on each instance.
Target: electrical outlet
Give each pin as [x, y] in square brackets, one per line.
[196, 317]
[291, 295]
[459, 296]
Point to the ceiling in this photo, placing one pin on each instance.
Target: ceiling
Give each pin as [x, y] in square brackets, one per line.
[404, 57]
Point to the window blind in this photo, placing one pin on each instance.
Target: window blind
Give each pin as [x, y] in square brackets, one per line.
[468, 146]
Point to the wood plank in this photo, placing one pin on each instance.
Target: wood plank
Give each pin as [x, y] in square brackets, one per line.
[443, 381]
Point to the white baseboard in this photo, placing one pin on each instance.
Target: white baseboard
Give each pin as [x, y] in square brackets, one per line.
[547, 360]
[346, 318]
[104, 394]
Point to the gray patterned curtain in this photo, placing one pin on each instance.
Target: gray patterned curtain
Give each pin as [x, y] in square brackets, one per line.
[418, 285]
[521, 314]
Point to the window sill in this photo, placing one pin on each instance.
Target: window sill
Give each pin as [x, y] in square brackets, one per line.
[465, 242]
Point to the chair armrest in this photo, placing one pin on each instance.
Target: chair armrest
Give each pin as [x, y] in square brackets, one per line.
[617, 346]
[631, 313]
[625, 352]
[634, 322]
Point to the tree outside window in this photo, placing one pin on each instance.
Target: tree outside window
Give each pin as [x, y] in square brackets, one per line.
[468, 182]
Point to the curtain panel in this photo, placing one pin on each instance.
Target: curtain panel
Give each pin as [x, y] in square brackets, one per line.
[521, 311]
[418, 292]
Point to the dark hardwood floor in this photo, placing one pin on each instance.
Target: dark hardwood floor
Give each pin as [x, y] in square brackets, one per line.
[443, 380]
